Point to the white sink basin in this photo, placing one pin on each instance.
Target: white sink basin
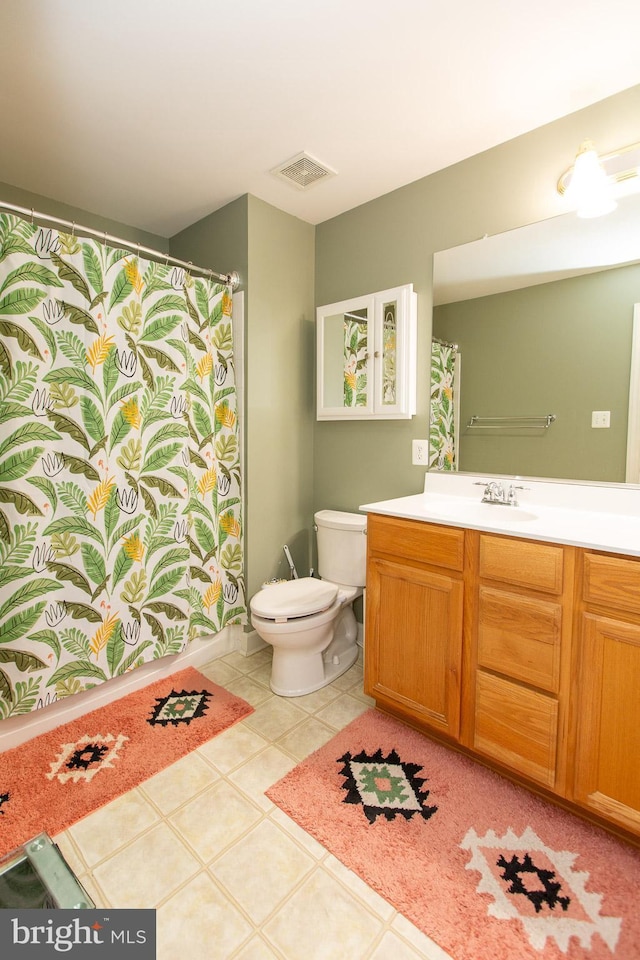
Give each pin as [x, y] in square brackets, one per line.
[471, 511]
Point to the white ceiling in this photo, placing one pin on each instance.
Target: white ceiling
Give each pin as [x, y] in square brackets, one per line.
[157, 112]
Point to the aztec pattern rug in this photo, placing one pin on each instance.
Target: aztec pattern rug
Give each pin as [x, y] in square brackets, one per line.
[478, 864]
[54, 780]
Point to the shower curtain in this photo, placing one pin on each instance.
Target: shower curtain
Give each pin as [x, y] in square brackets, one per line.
[443, 409]
[120, 519]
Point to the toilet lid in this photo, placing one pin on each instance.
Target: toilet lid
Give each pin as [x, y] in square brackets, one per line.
[295, 598]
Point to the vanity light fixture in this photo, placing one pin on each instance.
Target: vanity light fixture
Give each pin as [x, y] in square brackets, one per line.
[592, 184]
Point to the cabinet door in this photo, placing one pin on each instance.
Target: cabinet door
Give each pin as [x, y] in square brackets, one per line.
[366, 356]
[345, 347]
[414, 642]
[394, 382]
[607, 772]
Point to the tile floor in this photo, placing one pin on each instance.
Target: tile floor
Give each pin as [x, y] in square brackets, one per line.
[231, 876]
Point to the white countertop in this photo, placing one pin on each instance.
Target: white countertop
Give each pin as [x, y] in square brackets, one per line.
[597, 522]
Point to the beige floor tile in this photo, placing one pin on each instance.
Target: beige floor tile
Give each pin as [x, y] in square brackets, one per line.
[251, 691]
[262, 675]
[244, 664]
[359, 694]
[256, 949]
[352, 881]
[215, 819]
[393, 946]
[233, 747]
[322, 921]
[318, 699]
[258, 774]
[220, 672]
[262, 869]
[353, 675]
[200, 922]
[424, 945]
[342, 711]
[275, 718]
[147, 870]
[306, 737]
[304, 839]
[265, 655]
[108, 829]
[178, 783]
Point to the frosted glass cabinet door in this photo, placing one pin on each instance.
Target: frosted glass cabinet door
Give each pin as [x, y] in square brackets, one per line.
[366, 357]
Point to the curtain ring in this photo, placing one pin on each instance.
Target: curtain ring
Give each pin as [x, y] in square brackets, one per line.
[73, 229]
[32, 215]
[105, 238]
[138, 254]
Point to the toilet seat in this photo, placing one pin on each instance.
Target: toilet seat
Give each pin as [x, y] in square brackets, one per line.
[295, 598]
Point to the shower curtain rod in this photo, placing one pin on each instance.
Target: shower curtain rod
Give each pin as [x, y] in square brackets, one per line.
[232, 278]
[445, 343]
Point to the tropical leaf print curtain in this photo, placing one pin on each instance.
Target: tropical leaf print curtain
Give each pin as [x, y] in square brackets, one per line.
[120, 522]
[442, 425]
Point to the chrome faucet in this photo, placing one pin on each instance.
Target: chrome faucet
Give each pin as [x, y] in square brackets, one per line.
[495, 492]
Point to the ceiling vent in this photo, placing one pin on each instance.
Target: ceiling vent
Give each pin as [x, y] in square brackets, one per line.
[303, 171]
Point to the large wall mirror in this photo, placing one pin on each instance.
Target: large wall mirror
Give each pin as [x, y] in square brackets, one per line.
[543, 318]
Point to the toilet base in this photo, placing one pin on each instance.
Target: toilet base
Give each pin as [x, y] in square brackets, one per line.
[296, 674]
[295, 679]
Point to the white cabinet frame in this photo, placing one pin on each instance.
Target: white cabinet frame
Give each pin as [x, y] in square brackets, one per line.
[400, 304]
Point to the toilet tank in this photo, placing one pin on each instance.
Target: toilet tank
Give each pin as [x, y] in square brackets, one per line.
[342, 547]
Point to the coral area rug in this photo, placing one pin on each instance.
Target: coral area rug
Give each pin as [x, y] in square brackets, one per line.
[484, 868]
[54, 780]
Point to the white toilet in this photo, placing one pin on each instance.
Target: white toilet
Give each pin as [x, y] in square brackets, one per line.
[310, 623]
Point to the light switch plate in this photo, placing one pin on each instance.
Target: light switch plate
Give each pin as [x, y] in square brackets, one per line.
[601, 418]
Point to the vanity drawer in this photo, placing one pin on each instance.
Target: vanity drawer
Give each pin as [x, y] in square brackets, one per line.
[520, 636]
[414, 540]
[524, 563]
[517, 727]
[612, 581]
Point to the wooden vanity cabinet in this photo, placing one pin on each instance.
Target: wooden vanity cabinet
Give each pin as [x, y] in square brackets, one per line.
[526, 654]
[523, 624]
[414, 620]
[607, 767]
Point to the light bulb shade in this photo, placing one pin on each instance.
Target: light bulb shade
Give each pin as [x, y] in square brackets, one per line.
[589, 189]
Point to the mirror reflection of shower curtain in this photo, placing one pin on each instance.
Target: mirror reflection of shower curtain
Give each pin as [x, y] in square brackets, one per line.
[444, 416]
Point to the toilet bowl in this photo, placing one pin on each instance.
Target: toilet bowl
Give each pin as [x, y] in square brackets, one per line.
[310, 622]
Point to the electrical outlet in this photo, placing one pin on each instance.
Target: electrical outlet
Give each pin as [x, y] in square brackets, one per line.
[420, 453]
[600, 418]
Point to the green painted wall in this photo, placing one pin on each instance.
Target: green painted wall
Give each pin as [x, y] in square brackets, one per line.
[33, 201]
[219, 241]
[563, 348]
[274, 255]
[280, 400]
[392, 240]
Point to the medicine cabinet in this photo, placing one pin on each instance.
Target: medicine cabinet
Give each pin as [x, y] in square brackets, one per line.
[366, 357]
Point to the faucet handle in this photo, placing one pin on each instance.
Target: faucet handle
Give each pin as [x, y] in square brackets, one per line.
[512, 499]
